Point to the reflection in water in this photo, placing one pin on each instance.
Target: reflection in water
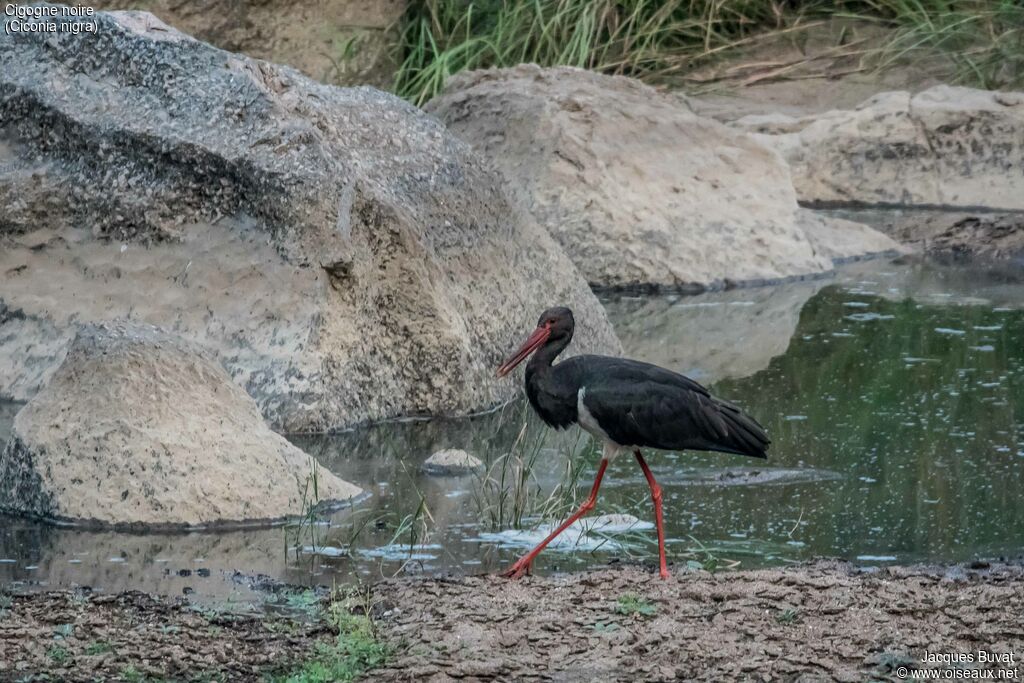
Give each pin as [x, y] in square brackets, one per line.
[891, 395]
[7, 413]
[712, 336]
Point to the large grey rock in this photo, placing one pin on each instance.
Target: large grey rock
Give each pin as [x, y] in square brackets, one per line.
[139, 427]
[946, 146]
[637, 188]
[345, 256]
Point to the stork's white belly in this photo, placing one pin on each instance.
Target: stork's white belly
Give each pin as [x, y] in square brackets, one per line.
[589, 424]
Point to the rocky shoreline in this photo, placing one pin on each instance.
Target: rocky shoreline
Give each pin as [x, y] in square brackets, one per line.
[821, 621]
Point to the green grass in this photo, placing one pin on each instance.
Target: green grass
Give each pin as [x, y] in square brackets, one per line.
[355, 651]
[98, 647]
[643, 38]
[5, 604]
[631, 604]
[58, 654]
[983, 39]
[788, 616]
[305, 601]
[651, 40]
[131, 675]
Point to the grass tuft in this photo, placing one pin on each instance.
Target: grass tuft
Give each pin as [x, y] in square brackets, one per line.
[788, 616]
[58, 654]
[355, 651]
[131, 675]
[655, 39]
[509, 493]
[631, 604]
[643, 38]
[982, 39]
[304, 530]
[99, 647]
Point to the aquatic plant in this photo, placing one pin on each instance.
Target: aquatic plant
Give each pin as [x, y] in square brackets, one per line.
[414, 526]
[305, 525]
[509, 494]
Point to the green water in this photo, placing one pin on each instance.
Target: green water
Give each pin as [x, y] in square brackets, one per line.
[892, 394]
[918, 407]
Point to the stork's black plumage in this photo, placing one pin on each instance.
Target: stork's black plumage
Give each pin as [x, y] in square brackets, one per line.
[641, 405]
[626, 404]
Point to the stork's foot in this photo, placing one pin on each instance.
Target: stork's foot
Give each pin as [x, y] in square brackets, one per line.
[664, 573]
[517, 570]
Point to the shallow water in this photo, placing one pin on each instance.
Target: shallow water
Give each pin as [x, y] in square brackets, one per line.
[891, 394]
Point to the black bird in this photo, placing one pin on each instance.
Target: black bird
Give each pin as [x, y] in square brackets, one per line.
[627, 405]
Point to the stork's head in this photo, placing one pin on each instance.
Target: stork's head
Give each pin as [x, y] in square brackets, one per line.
[555, 324]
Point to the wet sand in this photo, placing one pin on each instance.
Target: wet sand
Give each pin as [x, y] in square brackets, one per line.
[821, 621]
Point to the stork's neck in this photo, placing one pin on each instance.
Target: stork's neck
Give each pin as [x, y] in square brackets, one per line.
[543, 358]
[552, 389]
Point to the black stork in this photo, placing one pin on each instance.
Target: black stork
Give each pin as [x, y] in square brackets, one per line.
[625, 404]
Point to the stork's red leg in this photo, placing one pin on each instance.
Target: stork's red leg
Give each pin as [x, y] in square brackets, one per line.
[656, 497]
[522, 565]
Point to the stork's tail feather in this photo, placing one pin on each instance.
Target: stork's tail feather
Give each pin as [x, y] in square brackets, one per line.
[744, 435]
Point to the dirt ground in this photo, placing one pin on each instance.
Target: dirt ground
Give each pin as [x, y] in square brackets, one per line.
[67, 636]
[825, 621]
[809, 623]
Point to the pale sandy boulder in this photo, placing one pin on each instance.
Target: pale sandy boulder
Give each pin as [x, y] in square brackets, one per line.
[139, 427]
[450, 462]
[637, 188]
[346, 257]
[946, 146]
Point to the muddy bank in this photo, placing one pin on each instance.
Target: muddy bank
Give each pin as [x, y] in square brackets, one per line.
[821, 621]
[74, 636]
[816, 622]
